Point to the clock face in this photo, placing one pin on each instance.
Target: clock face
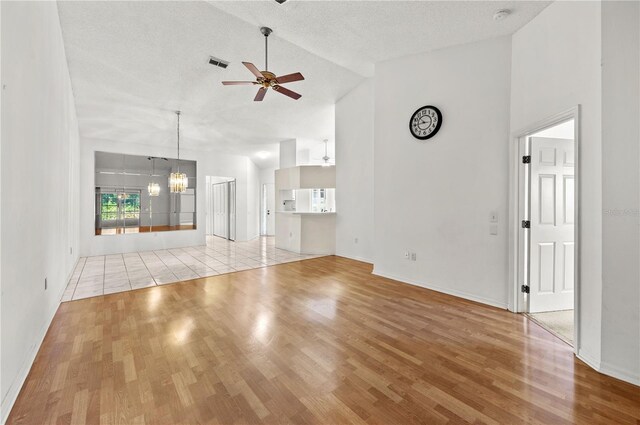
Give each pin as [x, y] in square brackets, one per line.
[425, 122]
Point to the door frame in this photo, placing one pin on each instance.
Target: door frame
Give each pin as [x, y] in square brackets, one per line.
[518, 302]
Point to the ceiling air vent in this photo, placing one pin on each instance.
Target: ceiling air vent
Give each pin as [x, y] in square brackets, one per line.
[218, 62]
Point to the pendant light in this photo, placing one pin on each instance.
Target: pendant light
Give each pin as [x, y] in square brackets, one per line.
[153, 188]
[178, 181]
[326, 157]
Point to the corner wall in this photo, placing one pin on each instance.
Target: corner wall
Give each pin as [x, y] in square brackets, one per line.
[354, 173]
[556, 66]
[39, 166]
[621, 190]
[435, 197]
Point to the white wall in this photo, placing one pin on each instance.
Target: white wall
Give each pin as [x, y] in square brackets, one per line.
[621, 190]
[556, 66]
[253, 201]
[354, 173]
[435, 197]
[208, 164]
[288, 154]
[39, 184]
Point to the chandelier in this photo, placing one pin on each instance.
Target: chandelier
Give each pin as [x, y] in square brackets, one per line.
[178, 181]
[153, 188]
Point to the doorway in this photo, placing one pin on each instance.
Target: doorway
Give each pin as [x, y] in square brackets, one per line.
[547, 258]
[221, 207]
[268, 202]
[117, 211]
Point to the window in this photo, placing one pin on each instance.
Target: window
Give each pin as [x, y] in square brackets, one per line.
[318, 200]
[117, 210]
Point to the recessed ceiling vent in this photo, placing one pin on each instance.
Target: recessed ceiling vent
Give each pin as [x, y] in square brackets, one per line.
[218, 62]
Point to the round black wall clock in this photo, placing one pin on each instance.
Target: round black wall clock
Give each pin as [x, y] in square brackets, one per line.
[425, 122]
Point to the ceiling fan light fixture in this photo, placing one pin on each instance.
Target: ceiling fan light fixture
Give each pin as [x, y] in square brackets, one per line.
[268, 79]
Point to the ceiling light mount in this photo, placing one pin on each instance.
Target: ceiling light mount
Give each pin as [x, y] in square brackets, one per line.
[266, 31]
[501, 14]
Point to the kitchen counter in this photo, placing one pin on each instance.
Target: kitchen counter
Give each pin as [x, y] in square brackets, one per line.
[306, 232]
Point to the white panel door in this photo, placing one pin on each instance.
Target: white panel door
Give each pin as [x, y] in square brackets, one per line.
[551, 279]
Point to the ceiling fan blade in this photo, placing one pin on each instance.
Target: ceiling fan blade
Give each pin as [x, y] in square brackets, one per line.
[287, 92]
[255, 71]
[290, 78]
[261, 92]
[238, 83]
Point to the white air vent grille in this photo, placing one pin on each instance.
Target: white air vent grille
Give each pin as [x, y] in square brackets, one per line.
[218, 62]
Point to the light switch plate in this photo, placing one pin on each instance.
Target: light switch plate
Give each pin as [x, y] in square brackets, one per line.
[493, 217]
[493, 229]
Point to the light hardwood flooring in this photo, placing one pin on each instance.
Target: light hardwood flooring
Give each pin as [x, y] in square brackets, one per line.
[316, 341]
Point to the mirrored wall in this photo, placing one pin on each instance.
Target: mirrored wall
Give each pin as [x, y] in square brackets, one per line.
[133, 195]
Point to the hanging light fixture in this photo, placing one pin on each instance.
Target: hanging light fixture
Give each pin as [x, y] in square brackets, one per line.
[326, 157]
[178, 181]
[153, 188]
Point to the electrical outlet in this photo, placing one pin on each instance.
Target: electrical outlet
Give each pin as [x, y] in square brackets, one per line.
[413, 256]
[45, 284]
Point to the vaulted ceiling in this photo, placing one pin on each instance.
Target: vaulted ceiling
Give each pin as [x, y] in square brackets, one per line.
[132, 64]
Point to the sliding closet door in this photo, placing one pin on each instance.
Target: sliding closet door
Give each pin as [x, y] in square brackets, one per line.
[232, 210]
[220, 207]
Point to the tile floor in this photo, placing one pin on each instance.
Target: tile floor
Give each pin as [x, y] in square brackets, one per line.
[107, 274]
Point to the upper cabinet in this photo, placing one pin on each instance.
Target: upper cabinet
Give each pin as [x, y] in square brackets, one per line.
[306, 177]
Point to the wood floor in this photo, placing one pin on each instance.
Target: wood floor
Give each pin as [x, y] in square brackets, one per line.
[317, 341]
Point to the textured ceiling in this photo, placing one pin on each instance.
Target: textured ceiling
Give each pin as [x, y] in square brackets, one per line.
[356, 34]
[133, 63]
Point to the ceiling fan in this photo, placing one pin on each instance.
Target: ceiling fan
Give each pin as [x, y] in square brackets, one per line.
[267, 79]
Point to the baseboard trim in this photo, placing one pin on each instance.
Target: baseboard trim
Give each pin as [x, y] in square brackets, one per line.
[356, 258]
[453, 292]
[590, 360]
[608, 369]
[17, 384]
[618, 373]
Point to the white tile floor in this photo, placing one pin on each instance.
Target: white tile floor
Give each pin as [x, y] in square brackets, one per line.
[107, 274]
